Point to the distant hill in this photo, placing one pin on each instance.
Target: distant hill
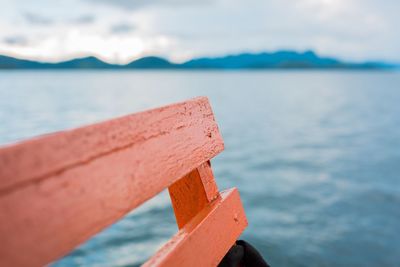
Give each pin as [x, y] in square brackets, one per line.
[150, 63]
[275, 60]
[79, 63]
[281, 59]
[278, 60]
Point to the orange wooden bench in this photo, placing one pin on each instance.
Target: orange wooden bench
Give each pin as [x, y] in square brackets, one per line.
[58, 190]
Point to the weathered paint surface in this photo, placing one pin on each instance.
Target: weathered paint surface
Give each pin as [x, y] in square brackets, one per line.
[188, 123]
[207, 237]
[58, 190]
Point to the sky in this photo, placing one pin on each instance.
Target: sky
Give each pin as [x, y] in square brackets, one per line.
[119, 31]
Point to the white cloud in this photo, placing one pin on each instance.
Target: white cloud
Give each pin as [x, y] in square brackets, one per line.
[121, 30]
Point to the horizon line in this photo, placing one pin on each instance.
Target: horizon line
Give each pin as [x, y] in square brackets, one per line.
[243, 52]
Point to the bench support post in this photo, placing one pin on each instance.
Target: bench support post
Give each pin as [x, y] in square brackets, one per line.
[193, 192]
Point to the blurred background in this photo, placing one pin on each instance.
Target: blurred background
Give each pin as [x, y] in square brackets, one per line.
[306, 94]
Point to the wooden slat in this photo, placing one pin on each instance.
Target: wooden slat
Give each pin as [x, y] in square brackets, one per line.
[38, 158]
[190, 194]
[56, 191]
[207, 237]
[208, 180]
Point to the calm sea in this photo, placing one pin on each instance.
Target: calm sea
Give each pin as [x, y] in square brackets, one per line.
[315, 155]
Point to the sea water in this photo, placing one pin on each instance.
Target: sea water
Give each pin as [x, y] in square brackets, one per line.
[314, 154]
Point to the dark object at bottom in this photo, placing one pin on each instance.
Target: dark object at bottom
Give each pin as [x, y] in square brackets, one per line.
[244, 255]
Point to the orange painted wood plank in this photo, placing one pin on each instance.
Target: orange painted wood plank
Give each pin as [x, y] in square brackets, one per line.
[38, 158]
[207, 237]
[209, 183]
[48, 206]
[188, 197]
[190, 194]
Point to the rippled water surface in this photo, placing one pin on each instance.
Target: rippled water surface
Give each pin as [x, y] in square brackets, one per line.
[315, 155]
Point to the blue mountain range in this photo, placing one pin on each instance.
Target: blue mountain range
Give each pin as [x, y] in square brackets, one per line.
[274, 60]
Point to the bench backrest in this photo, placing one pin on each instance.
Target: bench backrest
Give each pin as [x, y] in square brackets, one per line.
[58, 190]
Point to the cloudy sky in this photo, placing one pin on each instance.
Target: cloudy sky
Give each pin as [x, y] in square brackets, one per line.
[122, 30]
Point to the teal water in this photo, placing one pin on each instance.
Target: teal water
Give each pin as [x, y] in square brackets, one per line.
[315, 155]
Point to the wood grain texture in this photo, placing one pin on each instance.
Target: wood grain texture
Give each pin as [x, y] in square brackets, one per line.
[207, 237]
[58, 190]
[41, 157]
[190, 194]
